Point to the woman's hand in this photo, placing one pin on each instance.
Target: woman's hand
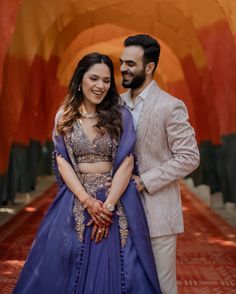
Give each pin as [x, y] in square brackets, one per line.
[98, 233]
[100, 215]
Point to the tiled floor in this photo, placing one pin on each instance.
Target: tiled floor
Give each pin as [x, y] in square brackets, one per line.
[22, 199]
[214, 201]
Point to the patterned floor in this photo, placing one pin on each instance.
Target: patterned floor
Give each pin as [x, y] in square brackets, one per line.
[206, 257]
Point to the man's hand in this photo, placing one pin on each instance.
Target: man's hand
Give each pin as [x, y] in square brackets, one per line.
[139, 184]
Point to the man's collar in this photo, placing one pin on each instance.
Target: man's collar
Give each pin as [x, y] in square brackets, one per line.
[145, 91]
[142, 96]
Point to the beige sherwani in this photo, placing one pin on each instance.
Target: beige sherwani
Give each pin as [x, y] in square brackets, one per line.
[167, 151]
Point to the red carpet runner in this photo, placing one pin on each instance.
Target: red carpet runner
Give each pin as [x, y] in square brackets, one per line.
[206, 257]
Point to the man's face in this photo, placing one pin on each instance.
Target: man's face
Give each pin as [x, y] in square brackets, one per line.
[132, 67]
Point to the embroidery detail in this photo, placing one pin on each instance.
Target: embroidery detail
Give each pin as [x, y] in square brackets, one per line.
[80, 149]
[123, 224]
[78, 211]
[92, 183]
[100, 149]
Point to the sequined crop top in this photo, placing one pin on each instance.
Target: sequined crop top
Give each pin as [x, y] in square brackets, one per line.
[102, 148]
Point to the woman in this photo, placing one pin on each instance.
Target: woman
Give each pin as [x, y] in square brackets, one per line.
[93, 239]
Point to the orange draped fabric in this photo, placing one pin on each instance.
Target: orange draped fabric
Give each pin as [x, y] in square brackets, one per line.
[43, 40]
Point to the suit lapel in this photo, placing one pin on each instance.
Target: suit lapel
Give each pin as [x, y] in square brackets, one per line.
[148, 106]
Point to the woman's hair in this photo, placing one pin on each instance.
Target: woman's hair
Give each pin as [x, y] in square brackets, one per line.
[109, 116]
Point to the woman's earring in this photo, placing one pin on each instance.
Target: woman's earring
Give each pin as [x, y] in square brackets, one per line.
[79, 89]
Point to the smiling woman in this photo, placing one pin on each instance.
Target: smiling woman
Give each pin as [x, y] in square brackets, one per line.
[95, 85]
[94, 238]
[93, 94]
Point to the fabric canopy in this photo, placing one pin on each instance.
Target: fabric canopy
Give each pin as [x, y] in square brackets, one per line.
[42, 42]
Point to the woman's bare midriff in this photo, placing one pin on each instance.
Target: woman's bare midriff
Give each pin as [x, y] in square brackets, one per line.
[95, 167]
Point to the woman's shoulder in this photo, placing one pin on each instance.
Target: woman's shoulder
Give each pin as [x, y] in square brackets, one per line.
[59, 115]
[57, 118]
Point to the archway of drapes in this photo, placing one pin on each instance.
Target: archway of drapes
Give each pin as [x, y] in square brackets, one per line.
[46, 39]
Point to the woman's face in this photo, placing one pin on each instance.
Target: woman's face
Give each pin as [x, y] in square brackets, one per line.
[96, 83]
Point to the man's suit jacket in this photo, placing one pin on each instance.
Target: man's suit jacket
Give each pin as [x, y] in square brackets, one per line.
[167, 151]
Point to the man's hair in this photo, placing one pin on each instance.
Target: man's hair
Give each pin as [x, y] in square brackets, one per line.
[150, 46]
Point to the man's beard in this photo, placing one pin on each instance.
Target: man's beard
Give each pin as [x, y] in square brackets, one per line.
[136, 82]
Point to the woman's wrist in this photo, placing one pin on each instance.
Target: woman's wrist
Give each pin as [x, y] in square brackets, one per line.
[85, 201]
[109, 204]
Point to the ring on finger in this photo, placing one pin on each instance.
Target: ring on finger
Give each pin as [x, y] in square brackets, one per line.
[99, 231]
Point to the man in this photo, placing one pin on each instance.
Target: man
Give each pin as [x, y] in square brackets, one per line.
[166, 150]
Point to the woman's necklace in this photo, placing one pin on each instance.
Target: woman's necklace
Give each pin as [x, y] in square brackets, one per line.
[88, 115]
